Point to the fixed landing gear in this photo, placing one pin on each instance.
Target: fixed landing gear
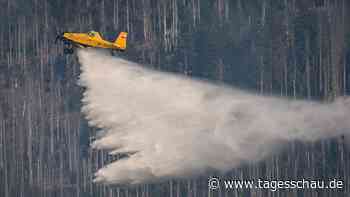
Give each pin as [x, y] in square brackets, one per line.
[68, 49]
[68, 46]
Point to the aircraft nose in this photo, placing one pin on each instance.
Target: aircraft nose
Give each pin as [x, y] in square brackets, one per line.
[68, 35]
[59, 37]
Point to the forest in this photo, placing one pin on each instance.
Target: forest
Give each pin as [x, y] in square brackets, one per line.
[298, 49]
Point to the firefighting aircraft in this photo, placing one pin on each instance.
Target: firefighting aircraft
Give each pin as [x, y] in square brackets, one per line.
[91, 39]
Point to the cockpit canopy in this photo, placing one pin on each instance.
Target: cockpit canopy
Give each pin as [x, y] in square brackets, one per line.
[92, 33]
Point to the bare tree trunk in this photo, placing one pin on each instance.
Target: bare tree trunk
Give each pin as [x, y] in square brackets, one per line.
[171, 188]
[345, 52]
[262, 77]
[321, 87]
[308, 78]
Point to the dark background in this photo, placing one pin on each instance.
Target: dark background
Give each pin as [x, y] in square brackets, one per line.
[294, 48]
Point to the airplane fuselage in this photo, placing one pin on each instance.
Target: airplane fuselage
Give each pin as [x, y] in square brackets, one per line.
[92, 39]
[84, 40]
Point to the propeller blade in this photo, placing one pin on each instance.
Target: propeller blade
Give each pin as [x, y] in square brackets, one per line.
[58, 37]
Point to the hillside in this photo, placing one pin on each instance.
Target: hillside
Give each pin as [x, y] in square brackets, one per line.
[298, 49]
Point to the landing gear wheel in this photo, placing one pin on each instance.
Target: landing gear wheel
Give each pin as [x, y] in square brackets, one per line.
[66, 51]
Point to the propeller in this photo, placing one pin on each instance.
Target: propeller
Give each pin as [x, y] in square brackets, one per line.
[59, 36]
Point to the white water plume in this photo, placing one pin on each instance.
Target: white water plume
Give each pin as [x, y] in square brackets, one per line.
[180, 127]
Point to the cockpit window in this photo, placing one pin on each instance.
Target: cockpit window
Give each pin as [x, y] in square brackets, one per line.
[91, 34]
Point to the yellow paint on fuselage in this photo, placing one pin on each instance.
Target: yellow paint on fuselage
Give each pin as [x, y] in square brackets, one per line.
[93, 39]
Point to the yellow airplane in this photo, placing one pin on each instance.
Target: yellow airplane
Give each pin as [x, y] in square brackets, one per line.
[91, 39]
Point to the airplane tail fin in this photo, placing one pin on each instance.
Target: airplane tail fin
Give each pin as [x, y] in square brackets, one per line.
[121, 40]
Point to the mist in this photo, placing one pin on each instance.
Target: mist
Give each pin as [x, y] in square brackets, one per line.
[176, 127]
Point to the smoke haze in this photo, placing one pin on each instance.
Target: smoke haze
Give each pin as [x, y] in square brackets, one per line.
[180, 127]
